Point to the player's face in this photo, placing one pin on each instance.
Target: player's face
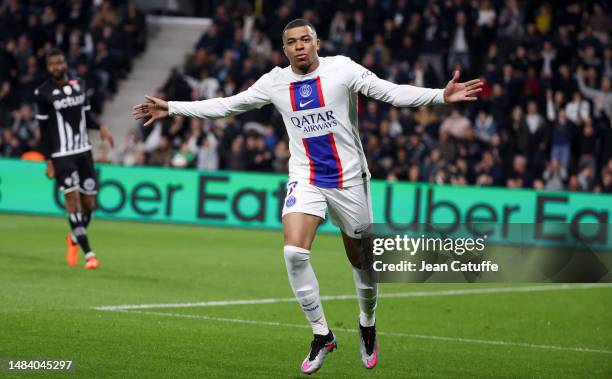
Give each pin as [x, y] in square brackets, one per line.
[57, 67]
[300, 46]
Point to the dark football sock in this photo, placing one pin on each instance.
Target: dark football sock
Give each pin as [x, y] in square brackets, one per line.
[78, 230]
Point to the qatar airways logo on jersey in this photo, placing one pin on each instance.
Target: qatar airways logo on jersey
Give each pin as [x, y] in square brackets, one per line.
[69, 101]
[315, 122]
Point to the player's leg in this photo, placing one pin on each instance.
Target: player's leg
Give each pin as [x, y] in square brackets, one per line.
[66, 178]
[77, 224]
[299, 231]
[367, 294]
[72, 243]
[87, 191]
[88, 186]
[302, 213]
[351, 209]
[88, 205]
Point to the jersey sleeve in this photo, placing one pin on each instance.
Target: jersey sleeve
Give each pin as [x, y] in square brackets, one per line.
[254, 97]
[366, 82]
[42, 116]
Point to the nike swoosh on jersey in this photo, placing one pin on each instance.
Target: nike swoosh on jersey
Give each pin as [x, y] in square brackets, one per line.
[306, 103]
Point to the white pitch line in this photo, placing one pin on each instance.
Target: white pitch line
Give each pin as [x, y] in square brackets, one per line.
[453, 292]
[392, 334]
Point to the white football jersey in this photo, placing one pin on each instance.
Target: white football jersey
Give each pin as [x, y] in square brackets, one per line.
[319, 110]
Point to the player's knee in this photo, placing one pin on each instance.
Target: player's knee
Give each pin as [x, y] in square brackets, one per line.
[295, 257]
[72, 201]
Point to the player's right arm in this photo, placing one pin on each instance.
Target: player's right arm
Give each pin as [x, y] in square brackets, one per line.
[254, 97]
[42, 116]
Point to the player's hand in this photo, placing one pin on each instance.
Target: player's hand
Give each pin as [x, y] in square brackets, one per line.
[106, 135]
[50, 169]
[154, 109]
[455, 92]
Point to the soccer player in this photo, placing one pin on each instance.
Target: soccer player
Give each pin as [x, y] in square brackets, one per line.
[64, 116]
[317, 98]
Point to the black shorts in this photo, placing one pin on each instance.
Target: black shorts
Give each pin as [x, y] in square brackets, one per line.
[76, 172]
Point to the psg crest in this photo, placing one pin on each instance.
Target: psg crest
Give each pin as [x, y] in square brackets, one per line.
[305, 90]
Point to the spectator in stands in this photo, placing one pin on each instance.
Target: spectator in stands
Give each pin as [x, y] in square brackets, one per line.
[456, 124]
[207, 156]
[519, 177]
[485, 126]
[281, 157]
[555, 176]
[530, 57]
[562, 131]
[25, 128]
[162, 155]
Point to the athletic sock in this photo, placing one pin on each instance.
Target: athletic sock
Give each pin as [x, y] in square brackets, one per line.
[78, 230]
[91, 254]
[305, 287]
[367, 292]
[86, 220]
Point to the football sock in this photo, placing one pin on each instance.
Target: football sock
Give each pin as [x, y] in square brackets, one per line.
[86, 219]
[78, 230]
[305, 287]
[367, 291]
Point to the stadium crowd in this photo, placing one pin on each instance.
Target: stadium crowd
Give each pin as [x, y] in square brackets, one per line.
[100, 42]
[544, 119]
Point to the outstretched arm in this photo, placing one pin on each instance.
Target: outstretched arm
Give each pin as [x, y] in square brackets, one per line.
[254, 97]
[401, 95]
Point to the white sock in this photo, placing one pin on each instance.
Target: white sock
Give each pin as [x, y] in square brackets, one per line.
[367, 291]
[91, 254]
[305, 287]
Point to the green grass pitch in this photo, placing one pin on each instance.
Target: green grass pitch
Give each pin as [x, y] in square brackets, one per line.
[48, 311]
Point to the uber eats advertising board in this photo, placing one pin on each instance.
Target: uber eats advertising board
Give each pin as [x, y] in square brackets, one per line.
[255, 200]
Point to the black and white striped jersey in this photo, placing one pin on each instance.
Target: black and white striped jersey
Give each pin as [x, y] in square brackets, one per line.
[63, 114]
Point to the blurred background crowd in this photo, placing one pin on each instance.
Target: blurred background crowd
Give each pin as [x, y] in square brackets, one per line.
[100, 42]
[544, 119]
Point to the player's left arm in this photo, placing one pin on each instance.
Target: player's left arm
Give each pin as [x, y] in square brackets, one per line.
[403, 95]
[94, 124]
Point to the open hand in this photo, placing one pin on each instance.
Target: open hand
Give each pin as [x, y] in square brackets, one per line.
[154, 109]
[456, 92]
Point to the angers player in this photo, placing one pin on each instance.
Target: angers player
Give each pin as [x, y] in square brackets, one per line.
[317, 98]
[63, 114]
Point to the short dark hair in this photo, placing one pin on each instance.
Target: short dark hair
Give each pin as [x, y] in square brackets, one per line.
[299, 22]
[54, 52]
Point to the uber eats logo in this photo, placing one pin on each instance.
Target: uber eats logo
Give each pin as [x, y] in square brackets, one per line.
[244, 199]
[455, 211]
[216, 197]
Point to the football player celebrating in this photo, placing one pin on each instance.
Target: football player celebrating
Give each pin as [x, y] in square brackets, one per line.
[317, 98]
